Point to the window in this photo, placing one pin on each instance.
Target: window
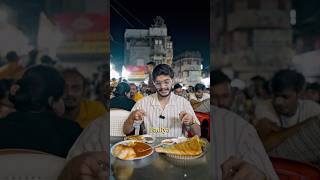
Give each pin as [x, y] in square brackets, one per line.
[189, 61]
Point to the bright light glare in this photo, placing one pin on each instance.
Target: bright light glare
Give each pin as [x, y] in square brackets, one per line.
[125, 73]
[113, 73]
[206, 82]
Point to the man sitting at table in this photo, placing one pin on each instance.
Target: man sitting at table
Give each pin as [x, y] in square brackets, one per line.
[163, 113]
[237, 152]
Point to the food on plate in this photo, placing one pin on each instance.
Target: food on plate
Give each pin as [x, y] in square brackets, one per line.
[145, 138]
[124, 152]
[190, 147]
[167, 141]
[135, 137]
[131, 150]
[148, 138]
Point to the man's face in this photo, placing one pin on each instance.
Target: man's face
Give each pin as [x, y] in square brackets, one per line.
[133, 89]
[163, 84]
[178, 91]
[222, 95]
[285, 102]
[199, 93]
[149, 69]
[74, 90]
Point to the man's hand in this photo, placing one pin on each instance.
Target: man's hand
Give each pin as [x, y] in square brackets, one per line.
[237, 169]
[186, 118]
[265, 127]
[138, 114]
[87, 166]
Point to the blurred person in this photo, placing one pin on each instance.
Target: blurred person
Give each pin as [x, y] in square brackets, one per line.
[149, 68]
[260, 87]
[32, 55]
[204, 106]
[134, 93]
[78, 108]
[47, 60]
[230, 95]
[174, 113]
[121, 98]
[199, 94]
[88, 166]
[221, 90]
[143, 89]
[12, 70]
[6, 106]
[242, 104]
[280, 118]
[190, 89]
[114, 82]
[177, 89]
[312, 92]
[37, 123]
[241, 154]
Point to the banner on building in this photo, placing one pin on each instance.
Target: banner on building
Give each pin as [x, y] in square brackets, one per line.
[83, 33]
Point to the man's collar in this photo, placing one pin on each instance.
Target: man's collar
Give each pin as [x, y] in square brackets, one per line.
[155, 100]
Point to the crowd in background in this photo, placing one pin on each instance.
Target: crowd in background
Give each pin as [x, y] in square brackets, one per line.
[44, 106]
[284, 110]
[124, 94]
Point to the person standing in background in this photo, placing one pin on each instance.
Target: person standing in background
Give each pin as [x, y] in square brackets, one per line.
[149, 68]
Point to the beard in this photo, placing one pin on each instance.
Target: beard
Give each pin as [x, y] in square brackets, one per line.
[162, 91]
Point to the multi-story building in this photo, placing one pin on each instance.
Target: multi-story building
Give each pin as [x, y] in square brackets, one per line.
[187, 68]
[144, 45]
[251, 36]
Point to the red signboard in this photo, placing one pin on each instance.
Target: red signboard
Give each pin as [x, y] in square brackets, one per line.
[135, 68]
[83, 33]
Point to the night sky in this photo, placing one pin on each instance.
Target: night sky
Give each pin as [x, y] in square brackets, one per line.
[188, 24]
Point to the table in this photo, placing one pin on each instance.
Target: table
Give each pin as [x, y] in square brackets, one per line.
[159, 166]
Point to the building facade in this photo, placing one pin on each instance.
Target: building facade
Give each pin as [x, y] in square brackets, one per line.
[251, 36]
[144, 45]
[187, 68]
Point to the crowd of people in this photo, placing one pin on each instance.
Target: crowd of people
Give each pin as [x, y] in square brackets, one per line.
[48, 109]
[284, 111]
[45, 107]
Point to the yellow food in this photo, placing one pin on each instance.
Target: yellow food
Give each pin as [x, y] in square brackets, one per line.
[135, 137]
[131, 150]
[124, 152]
[191, 147]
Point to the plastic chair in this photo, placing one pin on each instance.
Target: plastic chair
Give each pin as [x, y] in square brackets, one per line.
[117, 119]
[26, 164]
[204, 119]
[294, 170]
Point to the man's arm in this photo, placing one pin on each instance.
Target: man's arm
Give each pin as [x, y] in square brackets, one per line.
[128, 124]
[196, 129]
[276, 138]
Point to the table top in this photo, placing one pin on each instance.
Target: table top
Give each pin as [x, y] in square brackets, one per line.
[160, 166]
